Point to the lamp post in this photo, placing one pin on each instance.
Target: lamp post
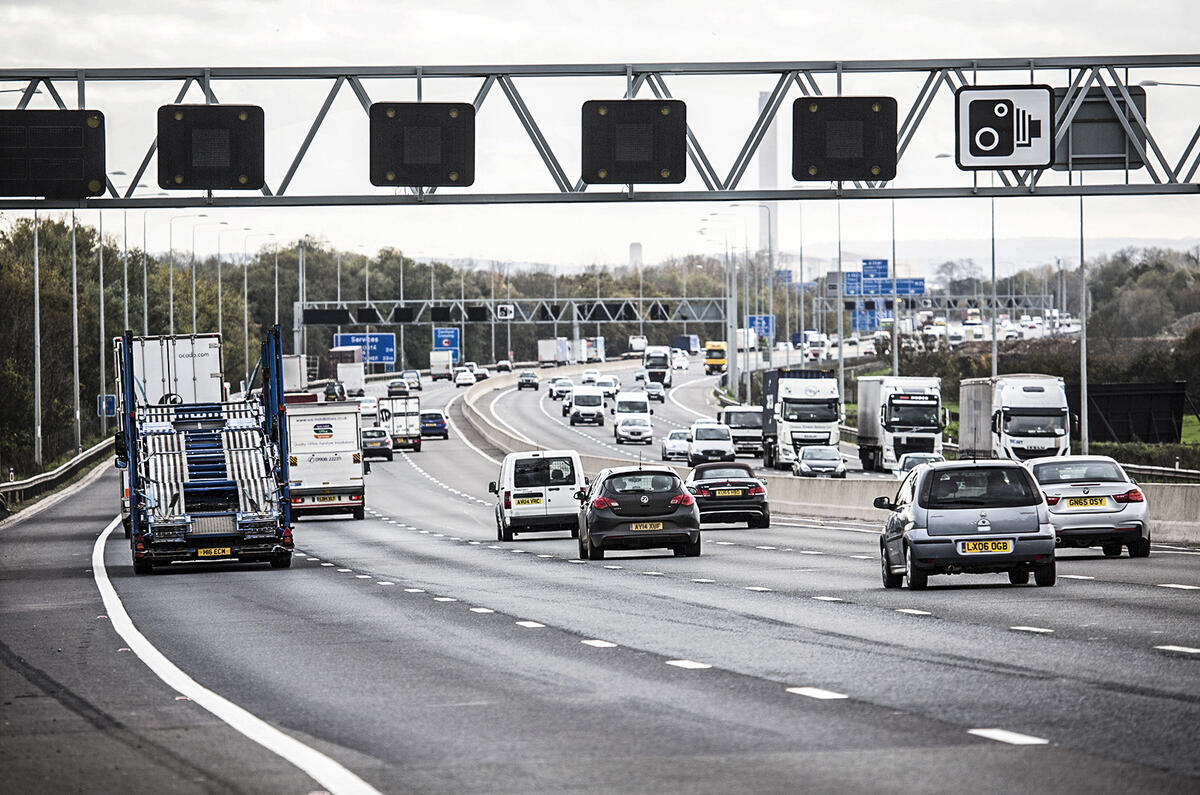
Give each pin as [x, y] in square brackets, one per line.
[246, 296]
[730, 276]
[37, 349]
[171, 258]
[75, 337]
[194, 228]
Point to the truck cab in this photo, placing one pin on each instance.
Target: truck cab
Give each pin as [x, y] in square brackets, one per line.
[804, 408]
[656, 360]
[716, 356]
[898, 415]
[1018, 417]
[746, 425]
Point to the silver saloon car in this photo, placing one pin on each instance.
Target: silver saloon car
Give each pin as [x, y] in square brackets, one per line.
[1093, 503]
[958, 517]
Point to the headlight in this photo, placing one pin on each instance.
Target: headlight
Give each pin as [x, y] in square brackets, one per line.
[841, 467]
[804, 467]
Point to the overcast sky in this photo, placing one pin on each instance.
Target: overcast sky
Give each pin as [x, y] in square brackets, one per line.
[721, 111]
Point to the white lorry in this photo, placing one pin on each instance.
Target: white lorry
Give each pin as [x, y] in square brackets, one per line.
[1019, 417]
[800, 408]
[898, 415]
[441, 365]
[637, 344]
[325, 458]
[547, 353]
[295, 373]
[656, 359]
[401, 418]
[353, 377]
[746, 425]
[595, 349]
[746, 341]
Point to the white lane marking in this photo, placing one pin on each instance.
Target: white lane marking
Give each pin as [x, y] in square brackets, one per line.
[653, 573]
[912, 611]
[599, 644]
[810, 526]
[385, 582]
[495, 546]
[725, 543]
[345, 571]
[816, 692]
[482, 610]
[872, 557]
[691, 665]
[1076, 577]
[1179, 586]
[423, 532]
[496, 416]
[313, 560]
[614, 567]
[1005, 736]
[362, 576]
[545, 556]
[530, 624]
[756, 588]
[444, 599]
[414, 590]
[326, 564]
[703, 580]
[474, 543]
[576, 560]
[827, 598]
[324, 770]
[673, 399]
[810, 552]
[1176, 552]
[451, 425]
[1181, 649]
[766, 547]
[517, 551]
[441, 485]
[1039, 630]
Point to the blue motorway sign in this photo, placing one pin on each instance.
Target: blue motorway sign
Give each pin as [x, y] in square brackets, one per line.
[783, 276]
[851, 283]
[446, 339]
[875, 269]
[377, 348]
[762, 325]
[106, 405]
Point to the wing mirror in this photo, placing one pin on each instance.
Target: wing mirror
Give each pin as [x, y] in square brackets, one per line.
[612, 411]
[581, 495]
[651, 411]
[121, 463]
[492, 487]
[883, 504]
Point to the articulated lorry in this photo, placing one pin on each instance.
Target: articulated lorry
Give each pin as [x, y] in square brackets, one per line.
[800, 408]
[656, 359]
[207, 479]
[898, 415]
[401, 418]
[1018, 417]
[325, 459]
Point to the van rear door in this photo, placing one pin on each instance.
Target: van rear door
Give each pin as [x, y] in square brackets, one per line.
[529, 489]
[564, 476]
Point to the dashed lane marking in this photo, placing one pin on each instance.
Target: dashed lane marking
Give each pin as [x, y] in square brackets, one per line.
[444, 599]
[828, 598]
[453, 427]
[385, 582]
[1180, 649]
[1076, 577]
[817, 693]
[414, 590]
[1006, 736]
[691, 665]
[912, 611]
[482, 610]
[1036, 630]
[704, 580]
[599, 644]
[758, 588]
[1179, 586]
[530, 624]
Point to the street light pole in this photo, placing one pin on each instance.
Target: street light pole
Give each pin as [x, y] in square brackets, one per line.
[995, 344]
[75, 337]
[194, 228]
[37, 348]
[895, 301]
[103, 373]
[1083, 360]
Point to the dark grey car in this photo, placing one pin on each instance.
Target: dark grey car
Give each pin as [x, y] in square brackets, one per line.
[956, 517]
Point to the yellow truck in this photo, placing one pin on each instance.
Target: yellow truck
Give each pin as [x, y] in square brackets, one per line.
[715, 356]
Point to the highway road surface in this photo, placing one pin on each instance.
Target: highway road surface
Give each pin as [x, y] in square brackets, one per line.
[413, 652]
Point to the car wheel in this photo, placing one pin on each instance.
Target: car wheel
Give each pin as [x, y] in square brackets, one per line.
[499, 532]
[283, 560]
[889, 580]
[1140, 548]
[1019, 576]
[583, 555]
[572, 421]
[1112, 550]
[617, 439]
[917, 579]
[594, 552]
[663, 454]
[506, 533]
[692, 548]
[763, 522]
[1045, 576]
[600, 423]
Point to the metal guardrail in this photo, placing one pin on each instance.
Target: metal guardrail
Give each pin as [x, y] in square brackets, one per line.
[1162, 474]
[17, 492]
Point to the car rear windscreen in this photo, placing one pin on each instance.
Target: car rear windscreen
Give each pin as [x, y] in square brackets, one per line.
[1078, 472]
[538, 472]
[643, 483]
[979, 487]
[724, 473]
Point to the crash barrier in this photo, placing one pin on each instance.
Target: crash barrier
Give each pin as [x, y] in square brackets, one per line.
[1174, 507]
[19, 491]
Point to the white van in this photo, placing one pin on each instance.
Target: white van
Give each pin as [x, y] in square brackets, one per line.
[710, 441]
[536, 493]
[631, 404]
[587, 405]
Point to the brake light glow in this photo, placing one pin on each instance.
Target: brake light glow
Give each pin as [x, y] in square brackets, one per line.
[604, 502]
[703, 492]
[1052, 500]
[354, 497]
[1133, 495]
[754, 490]
[297, 500]
[683, 500]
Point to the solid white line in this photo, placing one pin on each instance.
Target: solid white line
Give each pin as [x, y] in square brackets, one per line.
[673, 399]
[599, 644]
[816, 692]
[530, 624]
[1178, 586]
[689, 664]
[1005, 736]
[450, 424]
[827, 598]
[756, 588]
[324, 770]
[1041, 630]
[496, 417]
[1076, 577]
[1183, 649]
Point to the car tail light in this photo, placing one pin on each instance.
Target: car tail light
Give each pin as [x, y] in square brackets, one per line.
[507, 500]
[604, 502]
[1052, 500]
[1133, 495]
[683, 500]
[702, 492]
[297, 500]
[755, 490]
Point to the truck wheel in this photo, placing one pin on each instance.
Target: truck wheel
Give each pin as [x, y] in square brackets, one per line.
[128, 532]
[360, 513]
[281, 561]
[142, 566]
[417, 447]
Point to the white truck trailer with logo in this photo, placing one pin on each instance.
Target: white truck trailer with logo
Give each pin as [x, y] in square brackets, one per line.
[547, 353]
[401, 418]
[800, 408]
[898, 415]
[1020, 416]
[325, 458]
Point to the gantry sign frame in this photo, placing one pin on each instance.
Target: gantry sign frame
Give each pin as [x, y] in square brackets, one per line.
[1109, 74]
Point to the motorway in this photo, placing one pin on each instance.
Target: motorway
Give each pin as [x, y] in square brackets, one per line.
[412, 652]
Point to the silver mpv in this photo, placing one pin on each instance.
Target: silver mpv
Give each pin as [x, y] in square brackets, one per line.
[957, 517]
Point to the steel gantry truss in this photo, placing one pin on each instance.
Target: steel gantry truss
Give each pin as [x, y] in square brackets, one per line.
[532, 310]
[930, 80]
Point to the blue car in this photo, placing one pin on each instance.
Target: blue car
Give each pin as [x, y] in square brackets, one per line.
[433, 423]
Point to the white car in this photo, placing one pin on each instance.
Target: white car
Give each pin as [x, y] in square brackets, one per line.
[909, 461]
[560, 387]
[609, 385]
[675, 445]
[464, 377]
[636, 430]
[369, 408]
[710, 441]
[590, 376]
[680, 362]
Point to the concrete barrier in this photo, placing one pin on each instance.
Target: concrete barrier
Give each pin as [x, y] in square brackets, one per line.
[1174, 507]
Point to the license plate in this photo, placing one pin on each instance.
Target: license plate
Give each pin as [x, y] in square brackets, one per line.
[214, 552]
[529, 501]
[646, 526]
[1086, 502]
[728, 492]
[999, 547]
[326, 498]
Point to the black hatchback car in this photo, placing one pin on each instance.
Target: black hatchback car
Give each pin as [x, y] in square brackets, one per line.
[637, 508]
[729, 492]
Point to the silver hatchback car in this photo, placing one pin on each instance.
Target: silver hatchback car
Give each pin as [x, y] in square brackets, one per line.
[957, 517]
[1093, 502]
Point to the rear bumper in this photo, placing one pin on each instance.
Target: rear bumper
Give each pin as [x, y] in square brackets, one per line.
[1122, 533]
[411, 440]
[940, 555]
[718, 510]
[540, 524]
[377, 452]
[331, 502]
[162, 553]
[624, 538]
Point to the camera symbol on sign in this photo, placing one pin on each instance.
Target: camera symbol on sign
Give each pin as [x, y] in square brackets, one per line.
[997, 127]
